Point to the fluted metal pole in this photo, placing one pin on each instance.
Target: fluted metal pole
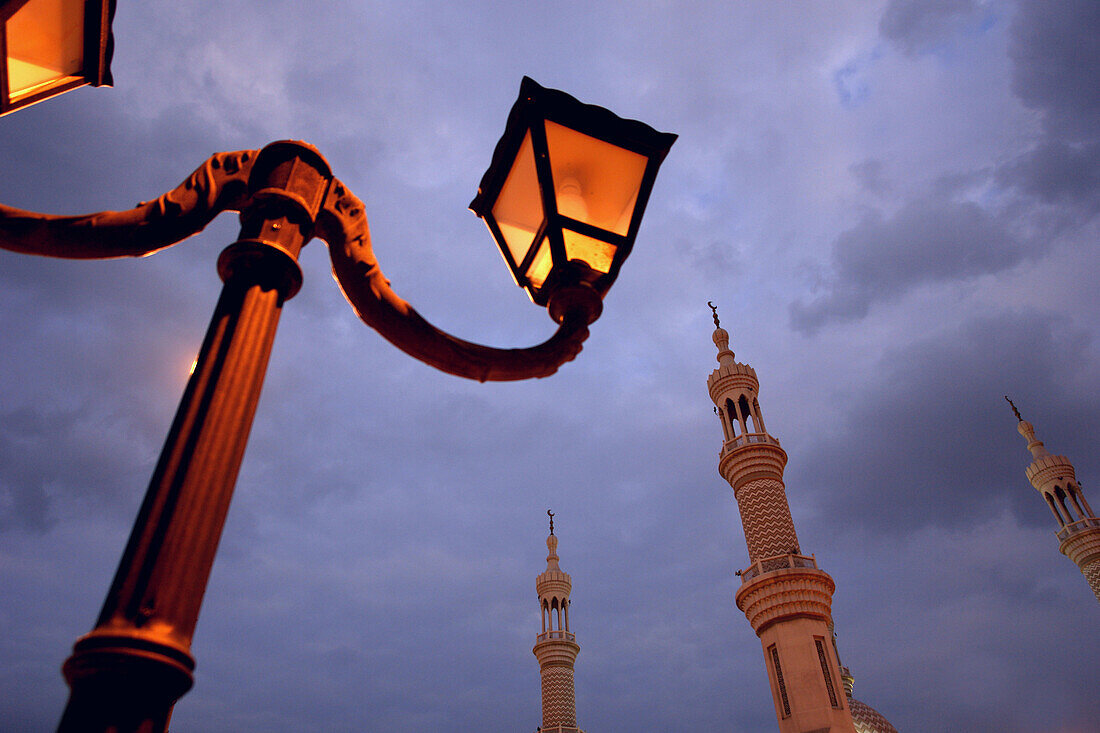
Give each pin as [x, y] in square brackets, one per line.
[129, 671]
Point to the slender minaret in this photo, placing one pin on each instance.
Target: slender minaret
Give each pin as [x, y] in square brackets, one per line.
[785, 596]
[1055, 479]
[556, 647]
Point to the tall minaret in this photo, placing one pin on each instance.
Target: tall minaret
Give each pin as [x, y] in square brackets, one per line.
[556, 647]
[1055, 479]
[785, 596]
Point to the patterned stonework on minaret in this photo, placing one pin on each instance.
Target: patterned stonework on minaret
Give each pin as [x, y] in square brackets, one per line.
[1056, 481]
[556, 646]
[785, 596]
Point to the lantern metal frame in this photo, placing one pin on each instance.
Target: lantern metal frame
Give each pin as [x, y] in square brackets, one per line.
[536, 106]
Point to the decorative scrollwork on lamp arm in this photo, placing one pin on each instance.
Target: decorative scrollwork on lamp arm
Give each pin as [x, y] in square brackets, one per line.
[221, 184]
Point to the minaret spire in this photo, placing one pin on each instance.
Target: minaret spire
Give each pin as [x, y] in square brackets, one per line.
[785, 596]
[556, 647]
[1078, 527]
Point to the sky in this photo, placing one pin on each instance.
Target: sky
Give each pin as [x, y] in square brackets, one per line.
[894, 206]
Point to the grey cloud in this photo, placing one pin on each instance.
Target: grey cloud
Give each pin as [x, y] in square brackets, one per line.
[870, 174]
[936, 443]
[914, 25]
[1056, 172]
[1055, 51]
[929, 240]
[76, 456]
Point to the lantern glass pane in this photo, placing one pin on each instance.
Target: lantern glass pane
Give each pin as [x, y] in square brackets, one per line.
[596, 253]
[45, 41]
[540, 265]
[518, 208]
[595, 182]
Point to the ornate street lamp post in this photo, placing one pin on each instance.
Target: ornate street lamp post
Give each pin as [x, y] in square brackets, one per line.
[127, 673]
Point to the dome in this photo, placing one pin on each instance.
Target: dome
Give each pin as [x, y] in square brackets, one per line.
[867, 719]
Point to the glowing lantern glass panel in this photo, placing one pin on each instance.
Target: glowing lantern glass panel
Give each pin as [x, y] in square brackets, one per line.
[566, 190]
[518, 210]
[52, 46]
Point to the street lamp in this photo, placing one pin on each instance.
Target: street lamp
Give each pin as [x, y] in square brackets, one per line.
[128, 672]
[52, 46]
[566, 190]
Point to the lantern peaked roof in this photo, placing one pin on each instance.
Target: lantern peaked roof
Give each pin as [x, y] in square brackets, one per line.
[537, 102]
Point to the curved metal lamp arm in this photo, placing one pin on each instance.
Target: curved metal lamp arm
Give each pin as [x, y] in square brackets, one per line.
[342, 223]
[220, 184]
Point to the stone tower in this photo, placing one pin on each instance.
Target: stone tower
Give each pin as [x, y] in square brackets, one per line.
[556, 646]
[785, 596]
[1078, 527]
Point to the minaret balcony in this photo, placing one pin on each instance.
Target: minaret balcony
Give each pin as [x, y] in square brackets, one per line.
[779, 562]
[748, 439]
[1078, 526]
[556, 635]
[749, 457]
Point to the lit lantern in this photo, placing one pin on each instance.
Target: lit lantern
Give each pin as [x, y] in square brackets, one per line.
[566, 190]
[52, 46]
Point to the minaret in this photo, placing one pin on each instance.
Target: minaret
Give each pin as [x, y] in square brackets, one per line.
[556, 647]
[785, 596]
[1078, 527]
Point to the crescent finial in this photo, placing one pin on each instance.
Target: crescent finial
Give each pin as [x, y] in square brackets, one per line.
[551, 515]
[714, 310]
[1014, 410]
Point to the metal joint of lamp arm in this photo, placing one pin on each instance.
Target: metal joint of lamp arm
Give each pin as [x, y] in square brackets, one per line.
[222, 183]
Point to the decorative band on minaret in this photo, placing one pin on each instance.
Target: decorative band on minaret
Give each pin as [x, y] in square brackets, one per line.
[1078, 527]
[556, 646]
[785, 596]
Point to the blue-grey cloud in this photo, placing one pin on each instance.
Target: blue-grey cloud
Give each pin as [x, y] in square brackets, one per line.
[937, 444]
[916, 25]
[929, 240]
[1055, 51]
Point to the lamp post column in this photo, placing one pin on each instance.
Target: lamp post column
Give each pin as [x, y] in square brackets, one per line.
[129, 671]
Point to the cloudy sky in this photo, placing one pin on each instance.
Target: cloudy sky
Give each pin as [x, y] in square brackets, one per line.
[894, 206]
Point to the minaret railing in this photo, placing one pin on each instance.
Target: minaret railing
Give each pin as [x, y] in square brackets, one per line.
[749, 438]
[778, 562]
[567, 635]
[1075, 527]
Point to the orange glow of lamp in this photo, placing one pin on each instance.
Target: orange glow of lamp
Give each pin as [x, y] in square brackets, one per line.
[52, 46]
[566, 190]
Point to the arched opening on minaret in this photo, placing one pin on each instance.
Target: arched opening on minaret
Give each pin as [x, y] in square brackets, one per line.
[565, 604]
[734, 419]
[759, 415]
[1076, 491]
[743, 407]
[1061, 496]
[723, 417]
[545, 616]
[1076, 504]
[1057, 515]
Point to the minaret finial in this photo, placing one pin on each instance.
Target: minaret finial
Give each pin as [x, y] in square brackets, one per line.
[551, 515]
[1014, 410]
[714, 310]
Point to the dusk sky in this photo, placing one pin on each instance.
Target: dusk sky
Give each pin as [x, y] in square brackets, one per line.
[894, 205]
